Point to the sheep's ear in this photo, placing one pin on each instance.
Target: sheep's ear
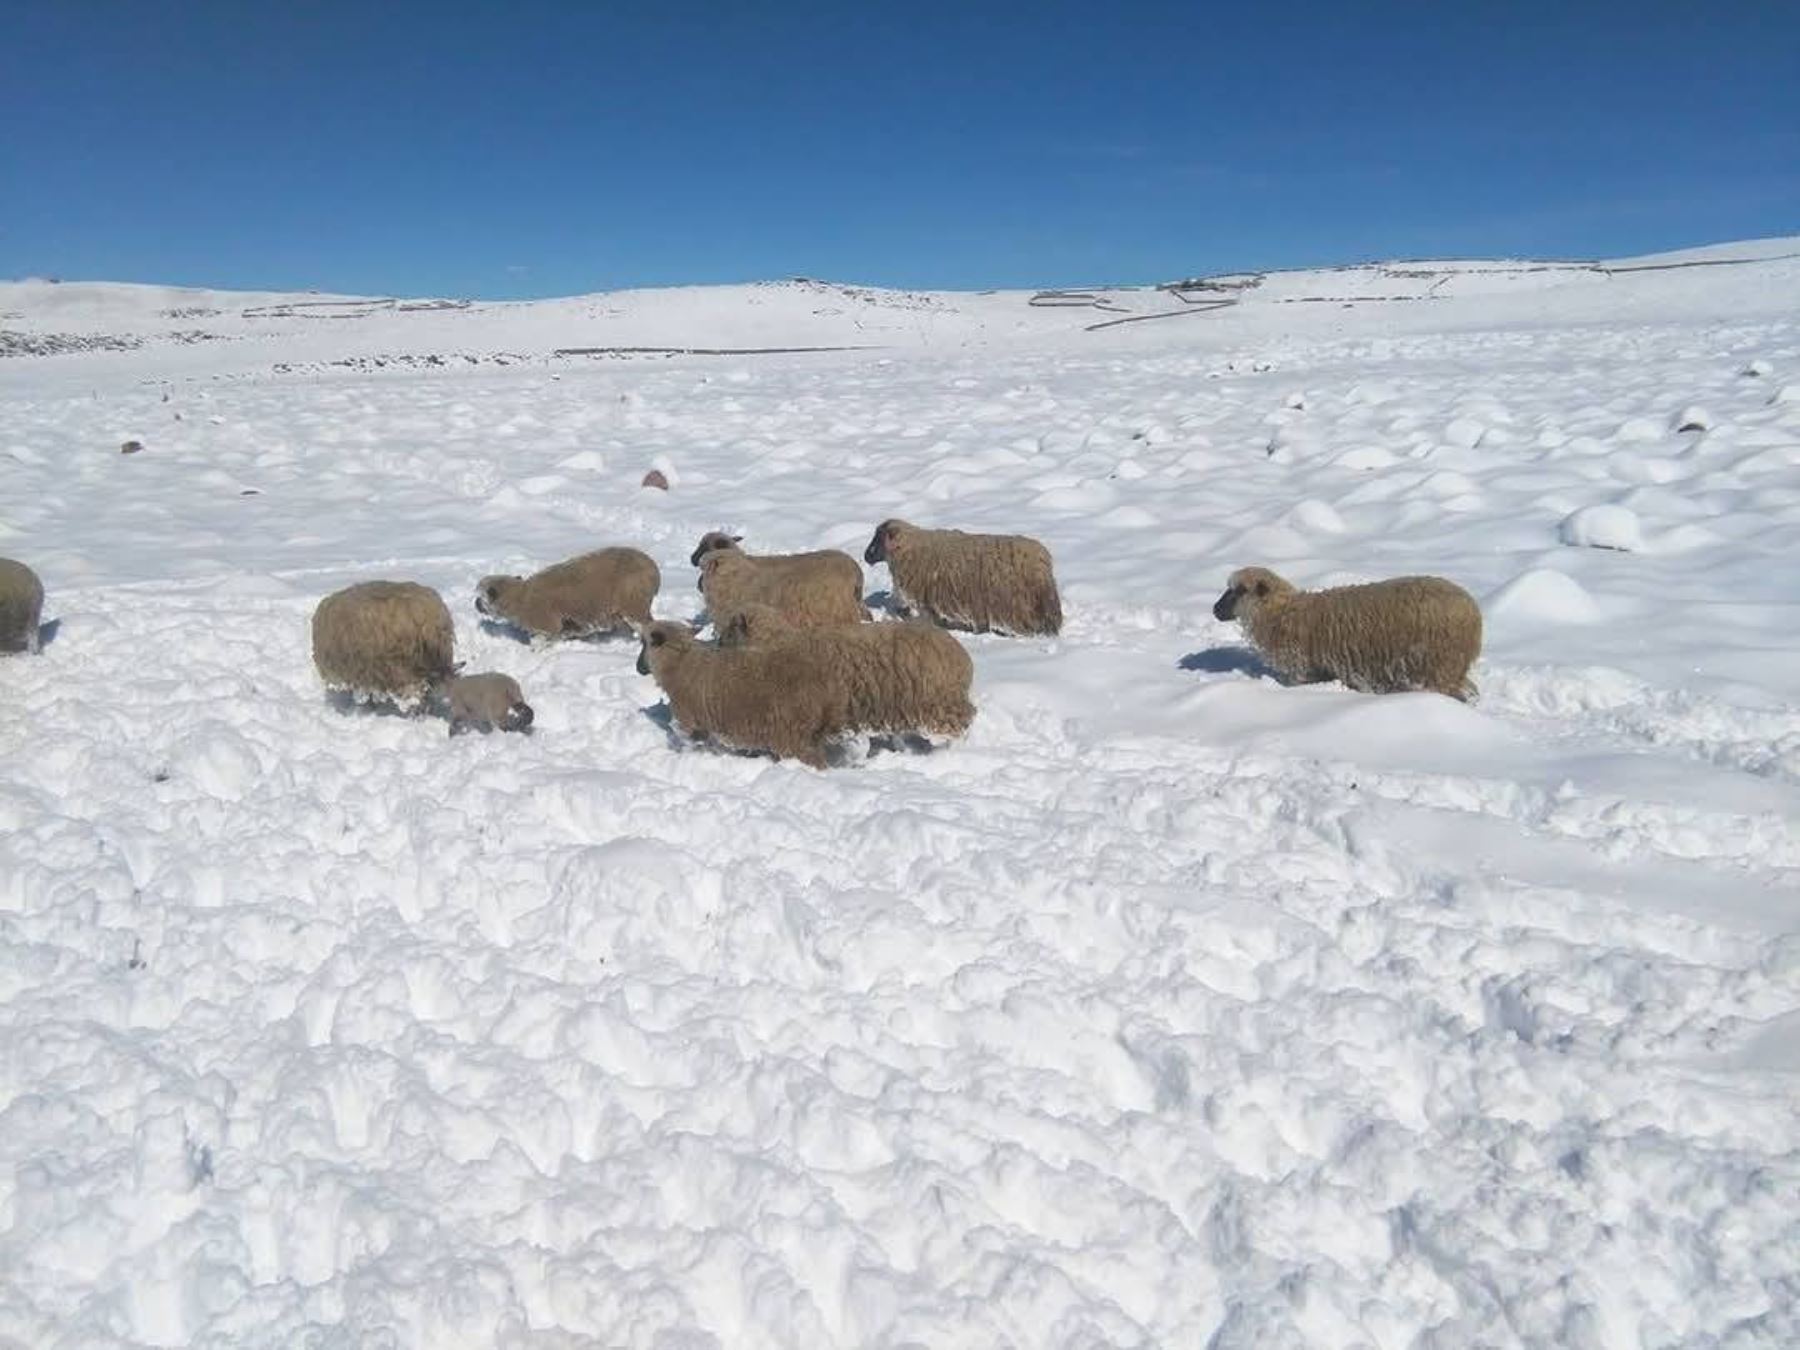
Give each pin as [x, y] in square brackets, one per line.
[656, 639]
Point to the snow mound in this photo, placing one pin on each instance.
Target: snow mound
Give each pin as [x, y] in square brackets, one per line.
[1604, 526]
[1543, 596]
[1314, 514]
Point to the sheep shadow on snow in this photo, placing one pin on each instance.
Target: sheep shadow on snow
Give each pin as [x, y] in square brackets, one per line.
[1230, 661]
[47, 632]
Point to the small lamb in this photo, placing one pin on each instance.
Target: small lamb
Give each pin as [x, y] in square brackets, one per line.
[486, 701]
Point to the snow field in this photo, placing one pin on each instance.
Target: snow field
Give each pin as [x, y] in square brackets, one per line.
[1171, 1007]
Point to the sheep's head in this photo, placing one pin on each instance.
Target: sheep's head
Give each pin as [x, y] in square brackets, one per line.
[657, 635]
[1248, 586]
[714, 541]
[492, 594]
[887, 534]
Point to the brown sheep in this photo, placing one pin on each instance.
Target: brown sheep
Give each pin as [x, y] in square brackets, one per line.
[902, 677]
[483, 702]
[21, 607]
[770, 698]
[605, 591]
[1001, 583]
[808, 589]
[384, 639]
[1383, 637]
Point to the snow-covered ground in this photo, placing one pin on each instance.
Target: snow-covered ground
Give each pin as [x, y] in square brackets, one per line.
[1173, 1008]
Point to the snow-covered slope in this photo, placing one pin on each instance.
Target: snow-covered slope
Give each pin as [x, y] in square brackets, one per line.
[1172, 1008]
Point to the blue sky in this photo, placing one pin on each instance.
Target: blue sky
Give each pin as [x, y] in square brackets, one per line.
[551, 148]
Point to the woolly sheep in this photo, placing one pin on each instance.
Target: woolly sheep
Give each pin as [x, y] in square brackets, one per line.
[485, 701]
[1001, 583]
[604, 591]
[384, 639]
[808, 589]
[901, 677]
[749, 698]
[21, 607]
[1384, 637]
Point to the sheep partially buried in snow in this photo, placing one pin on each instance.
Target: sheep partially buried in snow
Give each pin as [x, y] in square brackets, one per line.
[605, 591]
[1001, 583]
[809, 590]
[21, 607]
[485, 702]
[792, 696]
[384, 640]
[1384, 637]
[902, 678]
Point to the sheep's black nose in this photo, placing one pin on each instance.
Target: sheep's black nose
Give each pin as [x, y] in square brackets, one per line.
[1224, 607]
[872, 554]
[519, 716]
[643, 662]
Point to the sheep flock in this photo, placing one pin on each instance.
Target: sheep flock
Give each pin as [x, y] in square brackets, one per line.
[796, 665]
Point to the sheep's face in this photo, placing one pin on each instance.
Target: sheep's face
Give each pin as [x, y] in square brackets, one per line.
[654, 636]
[492, 593]
[1247, 586]
[714, 541]
[887, 534]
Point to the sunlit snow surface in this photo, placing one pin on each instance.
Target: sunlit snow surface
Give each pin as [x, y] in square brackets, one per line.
[1171, 1008]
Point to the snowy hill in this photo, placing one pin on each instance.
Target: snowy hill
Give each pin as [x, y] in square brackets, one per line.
[1172, 1007]
[308, 331]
